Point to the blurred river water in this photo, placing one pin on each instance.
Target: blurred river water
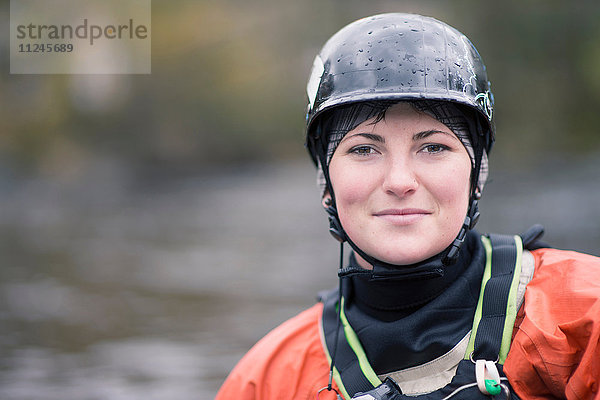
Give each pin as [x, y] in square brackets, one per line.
[118, 286]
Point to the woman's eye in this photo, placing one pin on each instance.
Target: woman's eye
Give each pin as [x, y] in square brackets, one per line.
[434, 148]
[362, 150]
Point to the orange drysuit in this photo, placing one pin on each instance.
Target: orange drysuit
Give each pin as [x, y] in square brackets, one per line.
[555, 352]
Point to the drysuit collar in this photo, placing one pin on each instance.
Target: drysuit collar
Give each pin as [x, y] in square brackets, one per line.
[389, 300]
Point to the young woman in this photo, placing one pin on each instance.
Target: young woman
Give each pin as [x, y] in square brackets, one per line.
[399, 124]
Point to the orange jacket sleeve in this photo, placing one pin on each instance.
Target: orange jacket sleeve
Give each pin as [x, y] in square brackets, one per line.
[556, 348]
[288, 363]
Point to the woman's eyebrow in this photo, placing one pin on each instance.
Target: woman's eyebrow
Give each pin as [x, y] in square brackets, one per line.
[370, 136]
[426, 134]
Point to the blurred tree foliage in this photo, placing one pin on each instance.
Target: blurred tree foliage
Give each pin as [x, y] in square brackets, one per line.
[227, 83]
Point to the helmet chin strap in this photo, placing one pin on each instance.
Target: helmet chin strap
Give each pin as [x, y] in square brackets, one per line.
[430, 268]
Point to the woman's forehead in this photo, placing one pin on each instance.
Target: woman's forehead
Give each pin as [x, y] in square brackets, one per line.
[402, 117]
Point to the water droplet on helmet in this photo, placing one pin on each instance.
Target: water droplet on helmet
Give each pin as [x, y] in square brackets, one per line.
[381, 60]
[370, 32]
[360, 50]
[370, 58]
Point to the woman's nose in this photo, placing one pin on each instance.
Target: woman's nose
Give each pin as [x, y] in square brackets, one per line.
[399, 177]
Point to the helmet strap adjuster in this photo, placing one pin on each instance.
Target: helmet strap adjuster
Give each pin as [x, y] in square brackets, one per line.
[335, 227]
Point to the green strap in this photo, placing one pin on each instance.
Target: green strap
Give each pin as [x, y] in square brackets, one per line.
[487, 272]
[336, 373]
[511, 306]
[354, 343]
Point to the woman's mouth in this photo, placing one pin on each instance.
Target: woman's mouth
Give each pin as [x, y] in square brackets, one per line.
[404, 216]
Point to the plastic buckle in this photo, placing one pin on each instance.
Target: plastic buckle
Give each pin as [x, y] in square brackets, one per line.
[488, 378]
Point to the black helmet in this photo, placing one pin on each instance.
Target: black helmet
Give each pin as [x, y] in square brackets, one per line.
[399, 57]
[394, 57]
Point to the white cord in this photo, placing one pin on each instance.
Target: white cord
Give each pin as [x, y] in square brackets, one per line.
[469, 386]
[460, 389]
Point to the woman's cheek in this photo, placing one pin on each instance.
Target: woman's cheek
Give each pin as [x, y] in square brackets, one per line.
[354, 194]
[454, 179]
[352, 185]
[455, 190]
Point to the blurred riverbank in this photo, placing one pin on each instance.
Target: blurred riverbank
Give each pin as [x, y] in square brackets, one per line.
[121, 286]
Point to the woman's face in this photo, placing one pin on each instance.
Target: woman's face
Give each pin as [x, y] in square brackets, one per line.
[401, 186]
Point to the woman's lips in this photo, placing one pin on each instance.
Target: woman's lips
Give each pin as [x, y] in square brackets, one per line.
[405, 216]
